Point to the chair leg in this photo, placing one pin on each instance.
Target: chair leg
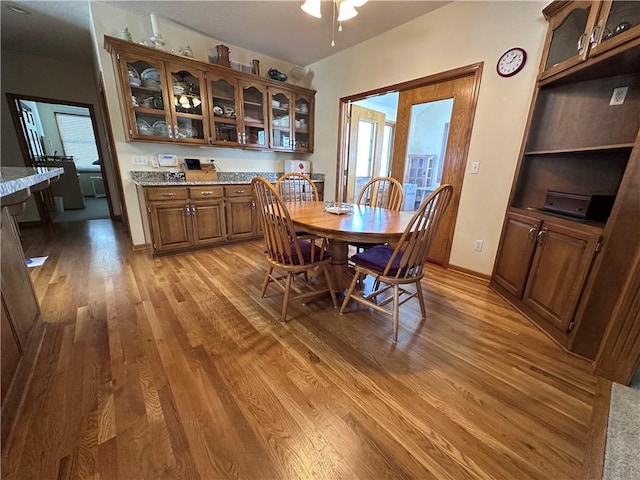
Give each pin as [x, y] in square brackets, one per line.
[423, 309]
[352, 287]
[396, 308]
[287, 290]
[266, 282]
[327, 277]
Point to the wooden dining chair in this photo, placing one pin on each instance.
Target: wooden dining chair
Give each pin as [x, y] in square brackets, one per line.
[395, 268]
[381, 192]
[287, 252]
[296, 187]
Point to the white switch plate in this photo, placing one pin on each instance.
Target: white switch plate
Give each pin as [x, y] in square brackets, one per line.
[154, 162]
[478, 245]
[140, 160]
[475, 167]
[619, 94]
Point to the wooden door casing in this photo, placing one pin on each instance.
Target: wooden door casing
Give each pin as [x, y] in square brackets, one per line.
[359, 114]
[463, 90]
[515, 253]
[560, 266]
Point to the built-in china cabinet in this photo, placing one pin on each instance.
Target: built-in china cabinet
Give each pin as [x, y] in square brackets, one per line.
[169, 98]
[566, 270]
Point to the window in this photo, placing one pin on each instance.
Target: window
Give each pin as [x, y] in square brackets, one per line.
[78, 141]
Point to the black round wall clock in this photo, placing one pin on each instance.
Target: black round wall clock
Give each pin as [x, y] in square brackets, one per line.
[511, 62]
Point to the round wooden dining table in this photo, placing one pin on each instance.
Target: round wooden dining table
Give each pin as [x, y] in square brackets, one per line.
[365, 224]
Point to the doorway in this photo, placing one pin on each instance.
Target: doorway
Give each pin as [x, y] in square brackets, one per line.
[60, 134]
[431, 135]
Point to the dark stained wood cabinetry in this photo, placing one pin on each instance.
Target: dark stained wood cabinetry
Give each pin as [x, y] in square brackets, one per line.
[183, 218]
[22, 325]
[242, 222]
[562, 260]
[579, 30]
[513, 260]
[170, 98]
[567, 274]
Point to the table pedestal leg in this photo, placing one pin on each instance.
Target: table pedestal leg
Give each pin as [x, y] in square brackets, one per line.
[339, 251]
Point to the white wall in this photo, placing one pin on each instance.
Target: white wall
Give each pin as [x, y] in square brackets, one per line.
[108, 20]
[36, 76]
[458, 34]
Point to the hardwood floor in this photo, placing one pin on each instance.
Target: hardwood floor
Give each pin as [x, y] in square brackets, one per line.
[175, 368]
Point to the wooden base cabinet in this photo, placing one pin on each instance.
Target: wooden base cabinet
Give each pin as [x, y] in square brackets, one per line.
[180, 219]
[22, 327]
[568, 273]
[542, 267]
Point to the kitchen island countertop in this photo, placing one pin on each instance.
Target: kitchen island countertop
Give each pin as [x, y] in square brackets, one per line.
[15, 179]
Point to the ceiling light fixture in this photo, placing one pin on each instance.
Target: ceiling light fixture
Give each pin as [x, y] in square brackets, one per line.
[342, 10]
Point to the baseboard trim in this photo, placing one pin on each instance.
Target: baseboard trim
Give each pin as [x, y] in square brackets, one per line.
[593, 463]
[141, 247]
[471, 273]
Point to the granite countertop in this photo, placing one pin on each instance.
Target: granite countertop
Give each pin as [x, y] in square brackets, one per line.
[14, 179]
[154, 179]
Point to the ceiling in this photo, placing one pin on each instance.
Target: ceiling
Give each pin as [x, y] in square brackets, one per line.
[280, 29]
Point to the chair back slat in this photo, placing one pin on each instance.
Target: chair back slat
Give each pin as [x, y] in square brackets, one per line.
[296, 187]
[381, 192]
[413, 247]
[282, 244]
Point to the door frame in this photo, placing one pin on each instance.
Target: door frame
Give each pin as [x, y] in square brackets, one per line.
[24, 148]
[377, 147]
[473, 70]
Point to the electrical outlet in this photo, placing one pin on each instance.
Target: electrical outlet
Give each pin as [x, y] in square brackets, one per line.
[155, 163]
[140, 160]
[478, 245]
[475, 167]
[619, 94]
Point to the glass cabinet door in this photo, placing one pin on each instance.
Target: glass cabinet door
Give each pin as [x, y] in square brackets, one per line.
[254, 115]
[281, 120]
[619, 23]
[186, 89]
[567, 42]
[149, 118]
[302, 125]
[223, 94]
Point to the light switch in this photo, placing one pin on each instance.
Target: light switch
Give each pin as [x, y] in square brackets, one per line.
[140, 160]
[475, 167]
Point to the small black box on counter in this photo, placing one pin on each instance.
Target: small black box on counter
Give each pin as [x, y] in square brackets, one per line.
[581, 206]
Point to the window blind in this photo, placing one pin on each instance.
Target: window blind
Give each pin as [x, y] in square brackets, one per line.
[78, 141]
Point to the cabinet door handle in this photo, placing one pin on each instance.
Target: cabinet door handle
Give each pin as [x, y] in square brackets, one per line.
[594, 35]
[541, 235]
[168, 194]
[532, 233]
[170, 131]
[193, 209]
[581, 40]
[187, 211]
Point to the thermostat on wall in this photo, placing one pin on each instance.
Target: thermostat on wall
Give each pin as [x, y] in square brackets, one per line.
[166, 160]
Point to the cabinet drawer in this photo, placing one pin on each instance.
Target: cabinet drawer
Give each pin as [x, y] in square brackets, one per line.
[166, 193]
[205, 192]
[238, 191]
